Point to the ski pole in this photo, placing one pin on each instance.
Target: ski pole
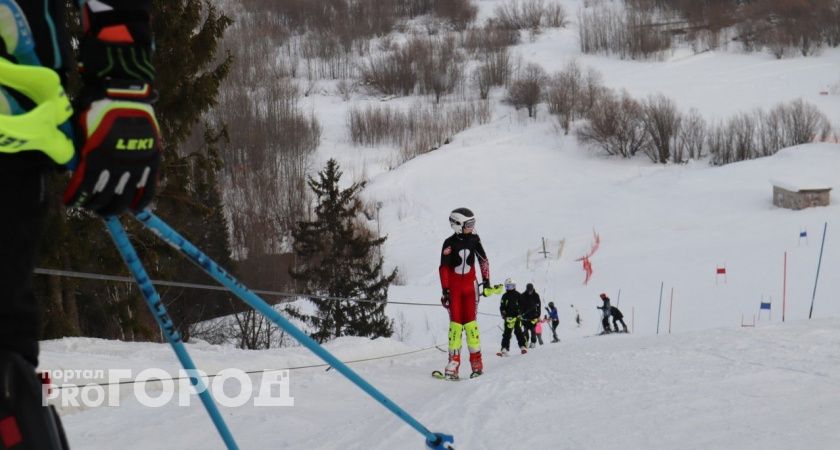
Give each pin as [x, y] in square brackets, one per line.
[155, 305]
[437, 441]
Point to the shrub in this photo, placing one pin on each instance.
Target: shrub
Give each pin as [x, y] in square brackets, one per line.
[662, 122]
[625, 32]
[460, 13]
[420, 129]
[615, 125]
[526, 90]
[690, 138]
[529, 15]
[489, 38]
[494, 70]
[748, 136]
[432, 65]
[564, 93]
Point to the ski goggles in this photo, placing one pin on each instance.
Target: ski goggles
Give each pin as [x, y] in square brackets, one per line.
[39, 128]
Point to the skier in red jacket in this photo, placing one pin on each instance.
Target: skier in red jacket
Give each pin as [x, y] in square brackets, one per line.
[460, 288]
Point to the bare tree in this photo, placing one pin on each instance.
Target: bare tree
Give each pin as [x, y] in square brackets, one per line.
[460, 13]
[494, 70]
[691, 137]
[564, 93]
[529, 15]
[662, 122]
[615, 125]
[526, 90]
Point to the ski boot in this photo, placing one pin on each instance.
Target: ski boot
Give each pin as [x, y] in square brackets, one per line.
[533, 345]
[502, 352]
[452, 367]
[476, 364]
[24, 422]
[523, 350]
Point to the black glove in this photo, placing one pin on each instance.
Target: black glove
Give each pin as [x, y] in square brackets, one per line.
[445, 299]
[119, 151]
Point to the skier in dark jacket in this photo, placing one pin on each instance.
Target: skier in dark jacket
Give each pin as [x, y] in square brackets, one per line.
[110, 132]
[605, 321]
[617, 317]
[555, 320]
[531, 312]
[510, 309]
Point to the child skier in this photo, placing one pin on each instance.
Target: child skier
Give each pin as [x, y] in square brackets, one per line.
[460, 290]
[578, 320]
[510, 309]
[617, 317]
[538, 331]
[555, 321]
[605, 321]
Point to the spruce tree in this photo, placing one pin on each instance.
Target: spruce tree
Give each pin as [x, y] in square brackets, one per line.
[188, 74]
[338, 256]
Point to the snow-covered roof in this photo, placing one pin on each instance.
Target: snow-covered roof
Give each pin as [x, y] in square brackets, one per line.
[794, 184]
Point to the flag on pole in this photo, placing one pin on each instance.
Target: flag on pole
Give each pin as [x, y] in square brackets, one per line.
[720, 271]
[587, 267]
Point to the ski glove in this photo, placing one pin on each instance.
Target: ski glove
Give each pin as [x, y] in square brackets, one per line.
[446, 298]
[117, 151]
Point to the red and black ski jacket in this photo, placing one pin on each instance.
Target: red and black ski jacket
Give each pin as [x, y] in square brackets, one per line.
[458, 257]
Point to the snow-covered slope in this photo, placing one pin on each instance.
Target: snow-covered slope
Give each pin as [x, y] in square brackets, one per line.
[772, 387]
[711, 384]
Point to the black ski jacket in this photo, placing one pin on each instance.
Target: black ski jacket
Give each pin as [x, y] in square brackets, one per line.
[511, 304]
[616, 313]
[531, 305]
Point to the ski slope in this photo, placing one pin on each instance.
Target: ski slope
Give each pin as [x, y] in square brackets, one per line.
[710, 384]
[771, 387]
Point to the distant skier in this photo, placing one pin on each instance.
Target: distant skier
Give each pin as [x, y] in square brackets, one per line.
[460, 290]
[617, 317]
[605, 320]
[531, 312]
[555, 320]
[578, 320]
[510, 309]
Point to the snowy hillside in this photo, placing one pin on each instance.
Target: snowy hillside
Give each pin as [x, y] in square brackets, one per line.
[709, 384]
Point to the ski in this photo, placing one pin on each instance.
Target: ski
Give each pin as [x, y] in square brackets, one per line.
[440, 376]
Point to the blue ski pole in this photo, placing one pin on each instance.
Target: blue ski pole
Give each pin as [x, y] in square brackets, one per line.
[167, 327]
[437, 441]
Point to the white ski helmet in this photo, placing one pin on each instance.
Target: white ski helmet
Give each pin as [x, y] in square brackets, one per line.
[460, 219]
[510, 284]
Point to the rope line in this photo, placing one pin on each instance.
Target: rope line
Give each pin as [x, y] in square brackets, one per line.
[96, 276]
[310, 366]
[250, 372]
